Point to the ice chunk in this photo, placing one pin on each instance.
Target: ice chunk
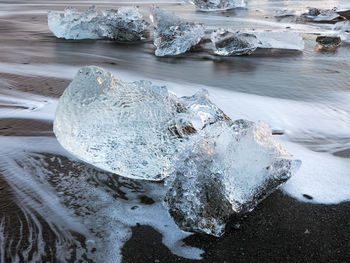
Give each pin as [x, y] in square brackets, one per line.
[172, 35]
[130, 129]
[343, 29]
[322, 15]
[212, 5]
[123, 24]
[280, 40]
[228, 168]
[284, 12]
[227, 43]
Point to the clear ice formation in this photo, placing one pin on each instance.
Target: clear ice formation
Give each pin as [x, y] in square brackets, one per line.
[123, 24]
[227, 43]
[228, 168]
[343, 29]
[213, 5]
[213, 167]
[322, 15]
[172, 35]
[280, 40]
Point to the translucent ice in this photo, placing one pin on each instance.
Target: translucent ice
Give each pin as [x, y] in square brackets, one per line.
[213, 167]
[172, 35]
[130, 129]
[322, 15]
[343, 29]
[123, 24]
[280, 40]
[212, 5]
[227, 43]
[227, 168]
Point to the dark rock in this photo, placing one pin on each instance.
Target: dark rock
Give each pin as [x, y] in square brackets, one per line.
[328, 41]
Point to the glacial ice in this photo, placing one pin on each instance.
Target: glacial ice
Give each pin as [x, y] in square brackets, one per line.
[213, 5]
[227, 168]
[343, 29]
[212, 167]
[227, 43]
[172, 35]
[130, 129]
[280, 40]
[123, 24]
[322, 15]
[279, 13]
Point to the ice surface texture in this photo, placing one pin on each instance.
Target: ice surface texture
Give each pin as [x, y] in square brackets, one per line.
[212, 5]
[213, 167]
[172, 35]
[343, 29]
[123, 24]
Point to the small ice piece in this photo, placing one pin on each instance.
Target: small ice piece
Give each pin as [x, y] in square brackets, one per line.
[279, 13]
[343, 29]
[123, 24]
[328, 42]
[172, 35]
[228, 43]
[227, 168]
[213, 5]
[322, 15]
[280, 40]
[131, 129]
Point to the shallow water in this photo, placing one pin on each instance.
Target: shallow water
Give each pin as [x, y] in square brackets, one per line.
[64, 209]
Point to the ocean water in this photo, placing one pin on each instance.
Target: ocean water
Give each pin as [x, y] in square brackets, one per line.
[66, 210]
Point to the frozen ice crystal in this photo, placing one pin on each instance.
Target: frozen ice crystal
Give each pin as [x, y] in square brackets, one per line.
[123, 24]
[172, 35]
[213, 167]
[212, 5]
[130, 129]
[227, 168]
[227, 43]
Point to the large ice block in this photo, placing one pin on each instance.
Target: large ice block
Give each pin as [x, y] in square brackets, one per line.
[227, 168]
[172, 35]
[213, 5]
[123, 24]
[131, 129]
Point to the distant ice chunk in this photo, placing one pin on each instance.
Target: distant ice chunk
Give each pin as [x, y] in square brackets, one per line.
[172, 35]
[213, 5]
[280, 40]
[227, 43]
[343, 29]
[322, 15]
[228, 168]
[279, 13]
[131, 129]
[123, 24]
